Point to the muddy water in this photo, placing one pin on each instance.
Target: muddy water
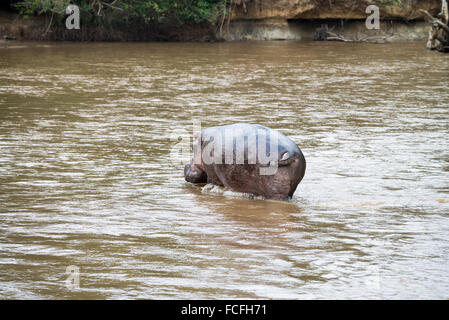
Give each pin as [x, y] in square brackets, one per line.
[88, 181]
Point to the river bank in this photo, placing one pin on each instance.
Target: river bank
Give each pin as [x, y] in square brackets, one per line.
[36, 29]
[247, 20]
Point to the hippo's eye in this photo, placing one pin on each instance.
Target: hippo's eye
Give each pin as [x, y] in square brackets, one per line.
[285, 156]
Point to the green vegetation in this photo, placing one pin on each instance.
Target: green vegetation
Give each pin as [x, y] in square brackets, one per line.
[114, 13]
[386, 3]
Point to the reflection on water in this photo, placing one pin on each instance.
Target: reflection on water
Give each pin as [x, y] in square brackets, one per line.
[86, 179]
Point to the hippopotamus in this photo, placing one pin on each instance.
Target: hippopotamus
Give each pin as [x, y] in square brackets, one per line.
[247, 158]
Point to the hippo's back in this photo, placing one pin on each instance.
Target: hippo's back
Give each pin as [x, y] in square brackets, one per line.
[248, 133]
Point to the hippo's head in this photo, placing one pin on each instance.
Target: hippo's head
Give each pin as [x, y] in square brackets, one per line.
[194, 171]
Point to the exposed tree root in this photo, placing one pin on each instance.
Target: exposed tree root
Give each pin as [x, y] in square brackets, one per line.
[439, 32]
[325, 34]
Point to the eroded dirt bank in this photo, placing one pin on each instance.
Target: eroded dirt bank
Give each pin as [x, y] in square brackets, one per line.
[330, 9]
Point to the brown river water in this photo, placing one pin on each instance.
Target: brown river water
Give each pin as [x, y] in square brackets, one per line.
[88, 182]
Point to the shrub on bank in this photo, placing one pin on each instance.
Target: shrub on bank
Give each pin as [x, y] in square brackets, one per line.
[110, 13]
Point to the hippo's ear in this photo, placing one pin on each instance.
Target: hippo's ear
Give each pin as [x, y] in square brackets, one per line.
[285, 158]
